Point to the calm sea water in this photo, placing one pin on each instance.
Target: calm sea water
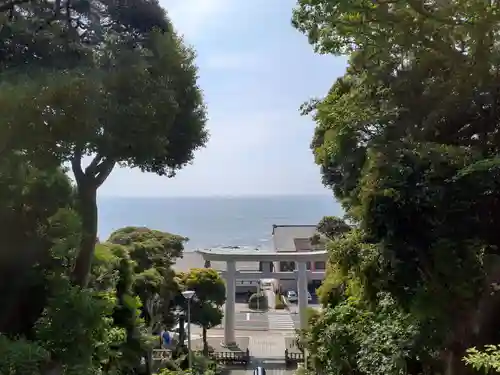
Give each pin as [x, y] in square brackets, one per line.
[214, 221]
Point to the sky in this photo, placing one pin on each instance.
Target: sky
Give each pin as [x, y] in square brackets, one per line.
[255, 71]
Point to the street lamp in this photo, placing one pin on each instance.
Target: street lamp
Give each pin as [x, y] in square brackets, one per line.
[258, 294]
[189, 294]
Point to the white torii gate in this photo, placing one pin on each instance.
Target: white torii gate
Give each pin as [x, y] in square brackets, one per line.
[231, 256]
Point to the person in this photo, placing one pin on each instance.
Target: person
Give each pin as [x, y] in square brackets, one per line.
[165, 338]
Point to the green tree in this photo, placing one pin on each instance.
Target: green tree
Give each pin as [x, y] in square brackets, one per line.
[328, 228]
[76, 328]
[408, 141]
[36, 215]
[353, 339]
[99, 108]
[332, 226]
[210, 295]
[153, 253]
[126, 315]
[149, 248]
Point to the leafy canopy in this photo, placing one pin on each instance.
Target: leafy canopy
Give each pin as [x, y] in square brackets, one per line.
[210, 295]
[408, 141]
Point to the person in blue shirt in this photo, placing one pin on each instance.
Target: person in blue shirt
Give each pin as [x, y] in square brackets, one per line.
[165, 338]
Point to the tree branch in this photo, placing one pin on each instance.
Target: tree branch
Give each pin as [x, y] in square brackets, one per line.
[92, 167]
[76, 166]
[103, 171]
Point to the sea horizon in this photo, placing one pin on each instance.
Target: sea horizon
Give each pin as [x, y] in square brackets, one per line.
[211, 221]
[224, 196]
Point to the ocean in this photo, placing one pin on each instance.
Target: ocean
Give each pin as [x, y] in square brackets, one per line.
[214, 221]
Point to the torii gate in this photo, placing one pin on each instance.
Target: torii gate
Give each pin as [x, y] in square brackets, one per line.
[232, 256]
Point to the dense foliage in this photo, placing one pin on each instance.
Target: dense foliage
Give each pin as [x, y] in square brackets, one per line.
[101, 329]
[121, 89]
[408, 141]
[210, 295]
[112, 82]
[153, 253]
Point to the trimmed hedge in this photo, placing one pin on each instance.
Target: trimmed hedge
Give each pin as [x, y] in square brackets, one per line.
[279, 305]
[258, 300]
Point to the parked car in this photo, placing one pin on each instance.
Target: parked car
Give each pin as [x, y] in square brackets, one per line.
[291, 296]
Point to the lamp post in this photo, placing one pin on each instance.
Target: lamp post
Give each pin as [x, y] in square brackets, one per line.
[188, 295]
[258, 294]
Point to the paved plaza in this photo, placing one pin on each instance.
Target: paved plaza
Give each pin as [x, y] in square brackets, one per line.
[267, 332]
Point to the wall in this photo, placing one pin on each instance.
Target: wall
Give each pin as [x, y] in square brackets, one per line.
[313, 282]
[246, 286]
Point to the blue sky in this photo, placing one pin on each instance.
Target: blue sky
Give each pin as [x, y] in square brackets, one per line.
[255, 70]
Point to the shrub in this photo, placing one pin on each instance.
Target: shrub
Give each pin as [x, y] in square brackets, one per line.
[486, 360]
[312, 314]
[279, 305]
[22, 357]
[258, 300]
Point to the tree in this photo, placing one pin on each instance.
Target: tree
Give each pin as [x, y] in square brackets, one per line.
[408, 141]
[332, 226]
[149, 248]
[328, 228]
[126, 315]
[136, 103]
[210, 295]
[153, 253]
[35, 214]
[66, 327]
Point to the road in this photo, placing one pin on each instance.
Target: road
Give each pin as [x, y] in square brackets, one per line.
[273, 320]
[280, 320]
[252, 321]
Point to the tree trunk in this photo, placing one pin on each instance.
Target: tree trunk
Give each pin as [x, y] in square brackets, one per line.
[149, 362]
[478, 327]
[205, 343]
[87, 204]
[88, 182]
[455, 365]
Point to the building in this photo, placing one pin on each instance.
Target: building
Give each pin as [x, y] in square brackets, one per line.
[297, 238]
[285, 238]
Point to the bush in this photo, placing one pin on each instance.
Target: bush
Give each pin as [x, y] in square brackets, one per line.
[486, 360]
[258, 300]
[22, 357]
[312, 314]
[279, 305]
